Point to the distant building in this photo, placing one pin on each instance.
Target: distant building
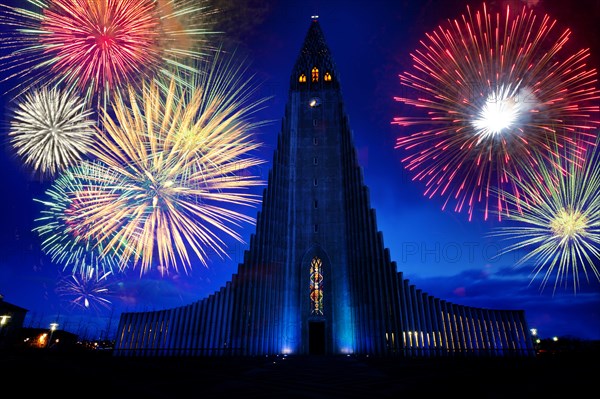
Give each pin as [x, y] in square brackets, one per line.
[46, 338]
[12, 318]
[317, 278]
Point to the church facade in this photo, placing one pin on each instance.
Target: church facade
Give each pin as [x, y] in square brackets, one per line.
[316, 278]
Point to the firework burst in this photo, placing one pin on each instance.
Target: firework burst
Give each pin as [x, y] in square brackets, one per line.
[495, 89]
[559, 226]
[86, 290]
[63, 239]
[102, 45]
[173, 162]
[52, 130]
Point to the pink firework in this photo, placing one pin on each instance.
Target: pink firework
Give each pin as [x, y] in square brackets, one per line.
[102, 45]
[494, 92]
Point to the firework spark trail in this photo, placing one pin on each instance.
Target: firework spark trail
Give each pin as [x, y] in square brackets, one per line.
[63, 237]
[52, 130]
[178, 157]
[559, 225]
[494, 89]
[101, 46]
[86, 290]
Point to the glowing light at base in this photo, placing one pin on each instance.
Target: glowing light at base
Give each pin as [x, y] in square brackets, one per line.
[559, 226]
[286, 351]
[488, 95]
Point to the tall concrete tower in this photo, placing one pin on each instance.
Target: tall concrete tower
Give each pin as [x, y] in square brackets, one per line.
[317, 278]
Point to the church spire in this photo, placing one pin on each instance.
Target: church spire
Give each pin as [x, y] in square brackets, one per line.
[314, 67]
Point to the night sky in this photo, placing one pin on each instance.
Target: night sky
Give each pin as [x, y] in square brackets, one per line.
[440, 251]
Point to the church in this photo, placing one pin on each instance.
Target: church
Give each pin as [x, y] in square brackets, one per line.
[317, 278]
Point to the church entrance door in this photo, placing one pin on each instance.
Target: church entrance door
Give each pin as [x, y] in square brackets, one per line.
[316, 337]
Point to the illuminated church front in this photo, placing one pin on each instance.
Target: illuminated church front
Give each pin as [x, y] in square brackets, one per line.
[316, 278]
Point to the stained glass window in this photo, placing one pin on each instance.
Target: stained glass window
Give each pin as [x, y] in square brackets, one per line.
[327, 77]
[316, 286]
[315, 74]
[302, 78]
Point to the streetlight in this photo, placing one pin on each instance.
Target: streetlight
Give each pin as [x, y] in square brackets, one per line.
[535, 338]
[4, 319]
[53, 326]
[534, 332]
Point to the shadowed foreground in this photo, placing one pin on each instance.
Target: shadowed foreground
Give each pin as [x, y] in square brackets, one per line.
[76, 375]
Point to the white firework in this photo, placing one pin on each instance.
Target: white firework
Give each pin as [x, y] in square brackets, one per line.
[52, 130]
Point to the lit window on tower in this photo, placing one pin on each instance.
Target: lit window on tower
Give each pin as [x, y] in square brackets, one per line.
[316, 286]
[302, 78]
[315, 74]
[327, 77]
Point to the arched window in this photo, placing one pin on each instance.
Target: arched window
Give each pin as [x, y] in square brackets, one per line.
[315, 74]
[327, 77]
[302, 78]
[316, 286]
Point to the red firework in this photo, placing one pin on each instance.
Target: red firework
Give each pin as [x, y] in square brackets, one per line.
[498, 91]
[100, 44]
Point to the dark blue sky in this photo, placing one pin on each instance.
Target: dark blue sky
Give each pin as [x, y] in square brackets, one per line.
[441, 252]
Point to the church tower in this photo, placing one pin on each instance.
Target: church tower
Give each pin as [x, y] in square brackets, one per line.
[316, 140]
[316, 278]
